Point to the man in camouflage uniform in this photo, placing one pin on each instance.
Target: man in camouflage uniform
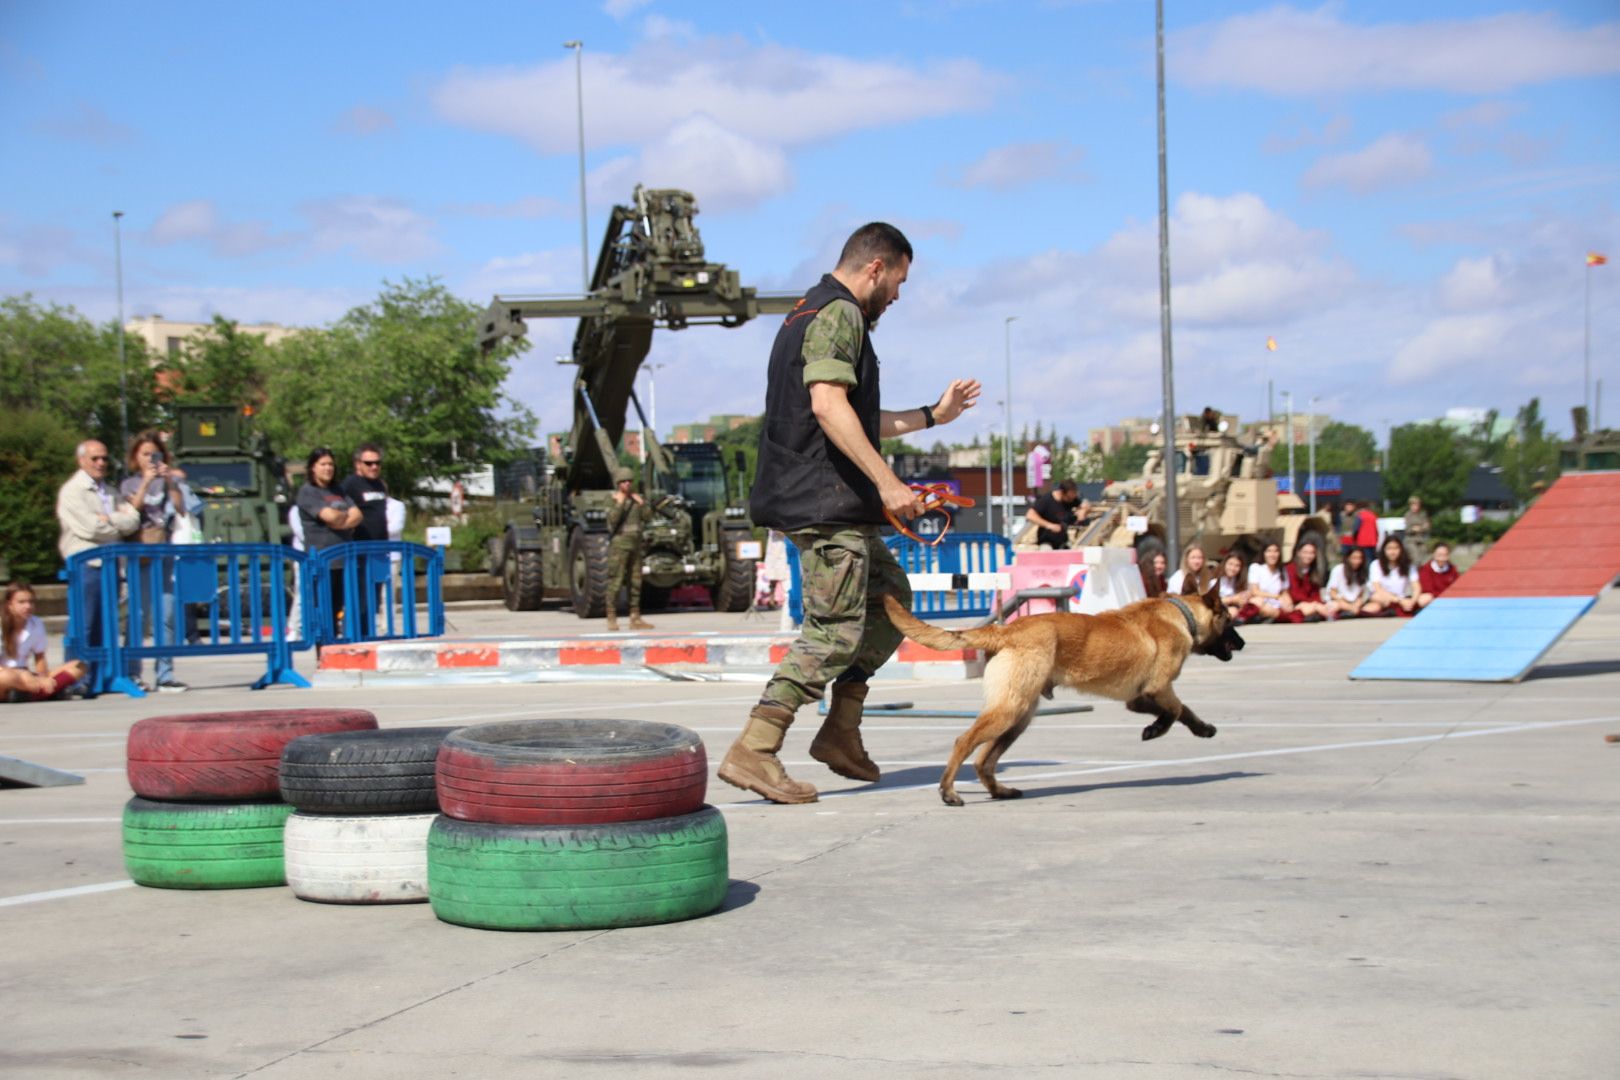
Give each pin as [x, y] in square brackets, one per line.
[626, 518]
[822, 481]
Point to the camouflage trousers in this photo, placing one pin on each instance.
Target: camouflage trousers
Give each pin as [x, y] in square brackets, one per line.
[847, 636]
[624, 561]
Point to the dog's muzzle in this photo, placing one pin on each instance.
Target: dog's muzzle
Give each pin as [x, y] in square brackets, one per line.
[1224, 646]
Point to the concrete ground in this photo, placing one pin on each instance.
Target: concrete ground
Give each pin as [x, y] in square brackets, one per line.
[1350, 880]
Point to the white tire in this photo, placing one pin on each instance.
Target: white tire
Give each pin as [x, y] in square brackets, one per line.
[377, 859]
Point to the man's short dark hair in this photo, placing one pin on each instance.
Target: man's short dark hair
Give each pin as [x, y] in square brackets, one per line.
[1065, 486]
[876, 240]
[367, 448]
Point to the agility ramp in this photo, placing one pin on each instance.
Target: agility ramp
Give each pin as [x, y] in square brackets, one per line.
[1512, 606]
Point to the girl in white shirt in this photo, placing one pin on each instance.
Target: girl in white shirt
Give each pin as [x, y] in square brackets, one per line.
[1195, 566]
[1233, 582]
[1347, 586]
[1391, 581]
[1268, 584]
[23, 668]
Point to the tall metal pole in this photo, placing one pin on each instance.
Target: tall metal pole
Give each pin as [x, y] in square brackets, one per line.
[1586, 350]
[1007, 450]
[1293, 485]
[123, 368]
[579, 98]
[1311, 420]
[1172, 525]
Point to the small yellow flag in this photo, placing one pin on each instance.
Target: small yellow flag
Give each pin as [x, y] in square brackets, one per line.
[1271, 344]
[1594, 259]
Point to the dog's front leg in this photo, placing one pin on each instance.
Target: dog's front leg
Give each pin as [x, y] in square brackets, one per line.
[1144, 703]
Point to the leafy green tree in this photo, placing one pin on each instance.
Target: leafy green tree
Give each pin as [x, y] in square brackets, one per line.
[222, 365]
[1426, 460]
[1531, 456]
[54, 360]
[897, 445]
[406, 372]
[1344, 447]
[36, 455]
[744, 437]
[1125, 462]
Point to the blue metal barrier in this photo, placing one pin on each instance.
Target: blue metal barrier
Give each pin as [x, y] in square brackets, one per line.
[958, 553]
[374, 607]
[243, 589]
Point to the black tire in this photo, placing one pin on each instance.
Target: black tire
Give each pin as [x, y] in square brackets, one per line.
[526, 877]
[587, 573]
[654, 597]
[170, 845]
[736, 589]
[369, 772]
[495, 554]
[523, 578]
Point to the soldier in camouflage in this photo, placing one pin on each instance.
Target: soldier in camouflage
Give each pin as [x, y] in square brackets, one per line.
[822, 481]
[626, 518]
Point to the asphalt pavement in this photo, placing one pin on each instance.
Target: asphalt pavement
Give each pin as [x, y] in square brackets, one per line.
[1350, 880]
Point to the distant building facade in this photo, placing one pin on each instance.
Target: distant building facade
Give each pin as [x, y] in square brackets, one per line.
[165, 338]
[708, 430]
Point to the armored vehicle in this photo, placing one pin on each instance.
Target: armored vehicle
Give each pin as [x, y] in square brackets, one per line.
[1226, 495]
[231, 467]
[651, 271]
[1589, 451]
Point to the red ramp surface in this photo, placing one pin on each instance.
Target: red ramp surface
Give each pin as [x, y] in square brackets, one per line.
[1567, 544]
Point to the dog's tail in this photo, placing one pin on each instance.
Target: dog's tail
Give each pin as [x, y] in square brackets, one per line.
[987, 638]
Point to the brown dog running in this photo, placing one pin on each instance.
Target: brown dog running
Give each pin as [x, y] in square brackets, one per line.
[1131, 655]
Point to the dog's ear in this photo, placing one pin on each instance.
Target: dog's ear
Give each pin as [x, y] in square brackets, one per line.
[1213, 598]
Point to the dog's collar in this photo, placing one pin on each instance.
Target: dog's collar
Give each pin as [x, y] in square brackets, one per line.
[1192, 623]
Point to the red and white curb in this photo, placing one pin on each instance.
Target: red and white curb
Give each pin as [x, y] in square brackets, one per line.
[604, 657]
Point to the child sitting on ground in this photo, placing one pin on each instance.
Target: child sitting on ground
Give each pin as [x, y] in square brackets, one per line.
[24, 673]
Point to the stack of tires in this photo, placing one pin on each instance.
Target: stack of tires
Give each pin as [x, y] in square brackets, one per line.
[363, 802]
[574, 825]
[207, 811]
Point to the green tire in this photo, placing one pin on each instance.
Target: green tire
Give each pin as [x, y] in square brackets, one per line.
[577, 877]
[171, 845]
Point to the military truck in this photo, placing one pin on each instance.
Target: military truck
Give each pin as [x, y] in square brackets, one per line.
[651, 271]
[1589, 451]
[1226, 496]
[231, 467]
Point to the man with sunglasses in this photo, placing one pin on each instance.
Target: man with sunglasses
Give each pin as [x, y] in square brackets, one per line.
[91, 513]
[366, 489]
[822, 480]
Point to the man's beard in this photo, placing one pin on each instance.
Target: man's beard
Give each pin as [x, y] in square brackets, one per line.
[877, 304]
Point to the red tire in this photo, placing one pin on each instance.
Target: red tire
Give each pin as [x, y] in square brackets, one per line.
[223, 756]
[571, 772]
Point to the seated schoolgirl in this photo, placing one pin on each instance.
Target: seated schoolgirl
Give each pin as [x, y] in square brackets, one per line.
[1234, 584]
[1435, 576]
[1304, 588]
[1347, 586]
[1153, 574]
[24, 673]
[1268, 586]
[1194, 568]
[1392, 581]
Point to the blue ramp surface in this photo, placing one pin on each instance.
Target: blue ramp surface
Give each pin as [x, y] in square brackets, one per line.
[1475, 639]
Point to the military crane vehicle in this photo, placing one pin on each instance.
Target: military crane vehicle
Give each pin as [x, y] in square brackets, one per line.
[651, 271]
[1226, 499]
[231, 467]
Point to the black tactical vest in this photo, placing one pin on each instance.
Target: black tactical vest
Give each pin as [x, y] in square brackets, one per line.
[803, 479]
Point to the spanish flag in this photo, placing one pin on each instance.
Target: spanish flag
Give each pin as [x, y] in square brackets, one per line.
[1271, 342]
[1594, 259]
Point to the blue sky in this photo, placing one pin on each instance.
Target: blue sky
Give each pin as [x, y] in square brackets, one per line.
[1403, 195]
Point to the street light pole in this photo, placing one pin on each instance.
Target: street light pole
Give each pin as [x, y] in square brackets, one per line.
[1293, 485]
[579, 98]
[123, 368]
[1007, 451]
[1311, 420]
[652, 394]
[1172, 532]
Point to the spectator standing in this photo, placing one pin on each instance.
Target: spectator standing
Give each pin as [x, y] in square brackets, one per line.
[295, 614]
[24, 672]
[1268, 586]
[1364, 530]
[1392, 581]
[1436, 575]
[329, 516]
[91, 514]
[366, 490]
[1347, 586]
[1417, 530]
[1053, 513]
[161, 499]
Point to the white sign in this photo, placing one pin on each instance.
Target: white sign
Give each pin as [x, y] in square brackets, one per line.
[438, 536]
[1470, 515]
[1137, 523]
[750, 549]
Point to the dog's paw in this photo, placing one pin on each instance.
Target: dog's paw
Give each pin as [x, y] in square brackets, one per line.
[1006, 793]
[1203, 730]
[1152, 731]
[950, 798]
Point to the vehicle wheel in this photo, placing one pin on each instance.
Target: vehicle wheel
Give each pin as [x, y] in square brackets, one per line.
[373, 772]
[224, 755]
[170, 845]
[523, 578]
[587, 581]
[506, 877]
[654, 598]
[571, 772]
[736, 589]
[1250, 547]
[495, 554]
[375, 859]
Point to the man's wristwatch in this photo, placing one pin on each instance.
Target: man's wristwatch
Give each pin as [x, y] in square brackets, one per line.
[928, 415]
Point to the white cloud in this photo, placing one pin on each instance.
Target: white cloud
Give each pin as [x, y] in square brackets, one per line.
[1017, 165]
[530, 206]
[554, 271]
[193, 220]
[1446, 345]
[363, 120]
[1284, 50]
[619, 9]
[1393, 160]
[1484, 114]
[84, 122]
[1331, 133]
[198, 221]
[1472, 284]
[377, 228]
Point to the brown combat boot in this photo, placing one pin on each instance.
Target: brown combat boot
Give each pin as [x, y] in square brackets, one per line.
[838, 744]
[638, 623]
[752, 765]
[612, 621]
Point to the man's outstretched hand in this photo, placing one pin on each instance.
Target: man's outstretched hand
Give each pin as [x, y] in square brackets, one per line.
[958, 397]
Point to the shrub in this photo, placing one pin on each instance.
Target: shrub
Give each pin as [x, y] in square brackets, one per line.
[36, 456]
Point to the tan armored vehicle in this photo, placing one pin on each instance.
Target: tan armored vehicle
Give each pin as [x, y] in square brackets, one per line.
[1226, 497]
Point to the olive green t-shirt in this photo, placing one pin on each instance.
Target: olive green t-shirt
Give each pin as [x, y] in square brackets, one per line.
[832, 344]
